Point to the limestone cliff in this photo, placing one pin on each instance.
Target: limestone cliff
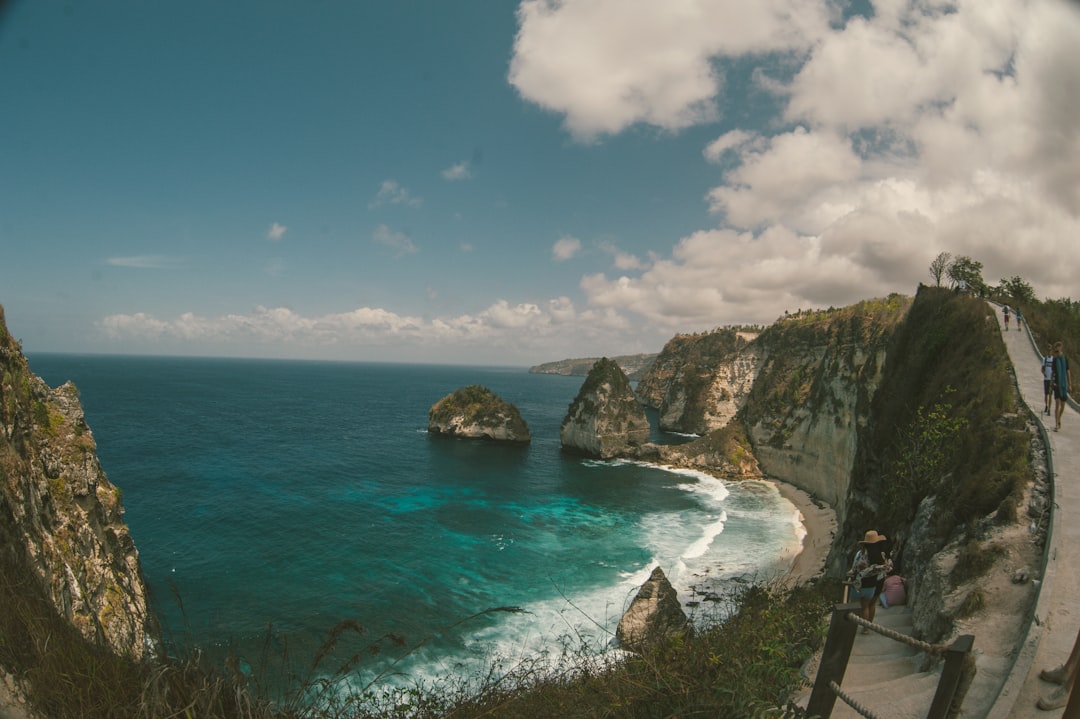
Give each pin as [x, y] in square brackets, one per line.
[699, 382]
[799, 391]
[475, 412]
[818, 374]
[59, 509]
[604, 420]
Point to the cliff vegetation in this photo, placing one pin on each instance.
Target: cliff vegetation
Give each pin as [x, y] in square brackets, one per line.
[477, 412]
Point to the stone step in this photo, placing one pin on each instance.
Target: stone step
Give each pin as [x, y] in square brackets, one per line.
[905, 697]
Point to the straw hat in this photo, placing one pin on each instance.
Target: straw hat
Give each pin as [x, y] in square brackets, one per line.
[873, 537]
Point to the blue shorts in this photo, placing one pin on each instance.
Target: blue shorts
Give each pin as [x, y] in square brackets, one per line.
[865, 593]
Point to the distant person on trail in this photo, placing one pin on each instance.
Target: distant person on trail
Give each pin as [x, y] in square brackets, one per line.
[1048, 376]
[868, 571]
[1061, 381]
[1019, 318]
[1005, 311]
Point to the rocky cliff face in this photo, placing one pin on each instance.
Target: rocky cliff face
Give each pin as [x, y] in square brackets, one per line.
[801, 390]
[699, 382]
[58, 507]
[476, 412]
[604, 420]
[818, 374]
[654, 615]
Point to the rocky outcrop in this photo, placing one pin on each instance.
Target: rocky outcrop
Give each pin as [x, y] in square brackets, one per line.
[699, 382]
[604, 420]
[654, 615]
[725, 452]
[475, 412]
[635, 366]
[59, 509]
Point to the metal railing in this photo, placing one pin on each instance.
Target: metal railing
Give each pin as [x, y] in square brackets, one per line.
[956, 675]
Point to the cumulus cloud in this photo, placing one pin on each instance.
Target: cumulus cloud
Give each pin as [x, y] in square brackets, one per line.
[622, 260]
[608, 64]
[460, 171]
[924, 127]
[276, 232]
[391, 193]
[565, 248]
[399, 242]
[504, 331]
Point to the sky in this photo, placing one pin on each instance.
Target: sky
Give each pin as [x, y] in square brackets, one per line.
[508, 183]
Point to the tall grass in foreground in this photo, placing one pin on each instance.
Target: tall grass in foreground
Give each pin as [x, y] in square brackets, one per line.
[741, 661]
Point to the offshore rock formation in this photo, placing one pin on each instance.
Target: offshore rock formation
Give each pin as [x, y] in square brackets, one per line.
[604, 420]
[654, 614]
[475, 412]
[59, 509]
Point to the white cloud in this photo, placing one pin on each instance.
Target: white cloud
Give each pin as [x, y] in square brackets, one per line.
[460, 171]
[391, 193]
[608, 64]
[565, 248]
[732, 140]
[145, 262]
[397, 241]
[929, 126]
[622, 260]
[504, 332]
[276, 232]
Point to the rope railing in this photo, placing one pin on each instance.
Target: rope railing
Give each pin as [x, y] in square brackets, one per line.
[957, 674]
[851, 702]
[934, 650]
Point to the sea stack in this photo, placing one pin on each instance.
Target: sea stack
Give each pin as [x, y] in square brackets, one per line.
[605, 419]
[475, 412]
[654, 615]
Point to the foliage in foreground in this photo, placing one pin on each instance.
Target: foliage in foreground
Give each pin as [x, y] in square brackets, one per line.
[745, 659]
[733, 667]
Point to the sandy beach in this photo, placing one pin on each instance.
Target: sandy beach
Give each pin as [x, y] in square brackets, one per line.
[820, 524]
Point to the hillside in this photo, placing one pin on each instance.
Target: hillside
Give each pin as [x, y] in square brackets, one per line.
[903, 415]
[634, 366]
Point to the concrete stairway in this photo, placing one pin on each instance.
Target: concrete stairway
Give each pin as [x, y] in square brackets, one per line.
[884, 675]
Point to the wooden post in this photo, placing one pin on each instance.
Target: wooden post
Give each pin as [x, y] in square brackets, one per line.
[950, 676]
[1072, 708]
[834, 660]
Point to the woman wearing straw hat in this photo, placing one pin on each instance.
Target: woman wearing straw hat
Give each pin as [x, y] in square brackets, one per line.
[868, 570]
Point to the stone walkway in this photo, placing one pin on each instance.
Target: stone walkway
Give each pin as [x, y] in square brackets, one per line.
[1057, 614]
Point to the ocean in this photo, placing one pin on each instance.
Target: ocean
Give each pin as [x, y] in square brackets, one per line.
[271, 500]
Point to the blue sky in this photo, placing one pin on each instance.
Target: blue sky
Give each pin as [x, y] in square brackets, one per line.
[505, 182]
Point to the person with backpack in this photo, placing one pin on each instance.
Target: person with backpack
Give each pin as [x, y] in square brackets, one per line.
[868, 571]
[1048, 377]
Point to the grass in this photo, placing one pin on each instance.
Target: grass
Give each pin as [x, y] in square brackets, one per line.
[745, 657]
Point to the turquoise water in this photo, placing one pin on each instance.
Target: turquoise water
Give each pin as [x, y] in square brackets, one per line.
[292, 495]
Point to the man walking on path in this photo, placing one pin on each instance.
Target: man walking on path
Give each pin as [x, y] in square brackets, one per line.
[1005, 311]
[1062, 381]
[1048, 377]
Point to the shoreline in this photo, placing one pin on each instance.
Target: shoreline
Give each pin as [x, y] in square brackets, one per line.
[819, 521]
